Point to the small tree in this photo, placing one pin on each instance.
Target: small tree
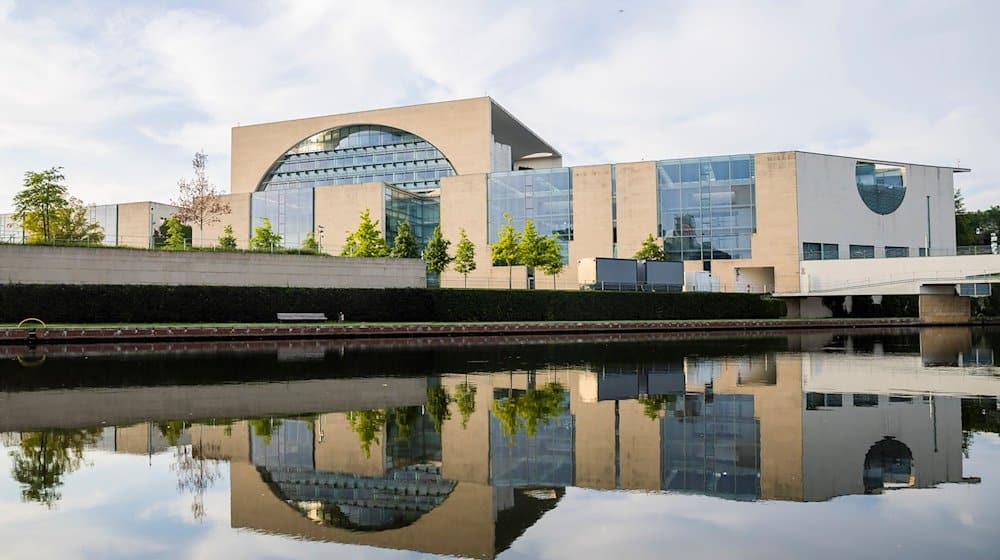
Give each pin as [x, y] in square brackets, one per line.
[70, 223]
[465, 397]
[552, 259]
[199, 203]
[366, 241]
[175, 241]
[228, 241]
[405, 245]
[650, 250]
[532, 247]
[436, 252]
[506, 249]
[309, 244]
[43, 195]
[264, 238]
[465, 256]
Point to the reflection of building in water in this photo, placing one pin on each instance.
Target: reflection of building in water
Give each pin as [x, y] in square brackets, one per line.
[775, 426]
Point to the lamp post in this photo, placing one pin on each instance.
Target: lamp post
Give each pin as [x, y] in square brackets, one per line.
[319, 229]
[928, 225]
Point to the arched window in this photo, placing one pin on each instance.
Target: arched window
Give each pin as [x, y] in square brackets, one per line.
[881, 187]
[359, 154]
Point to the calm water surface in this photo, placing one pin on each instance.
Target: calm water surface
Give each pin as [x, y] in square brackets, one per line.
[852, 444]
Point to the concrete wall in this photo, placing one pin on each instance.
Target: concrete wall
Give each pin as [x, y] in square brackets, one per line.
[890, 276]
[830, 209]
[339, 208]
[136, 221]
[461, 130]
[637, 208]
[78, 265]
[238, 217]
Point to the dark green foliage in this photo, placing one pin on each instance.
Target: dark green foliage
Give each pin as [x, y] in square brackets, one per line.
[862, 306]
[189, 304]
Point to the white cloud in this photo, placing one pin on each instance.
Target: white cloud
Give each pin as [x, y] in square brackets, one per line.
[127, 98]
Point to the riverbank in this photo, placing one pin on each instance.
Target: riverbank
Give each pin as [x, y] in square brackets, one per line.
[84, 334]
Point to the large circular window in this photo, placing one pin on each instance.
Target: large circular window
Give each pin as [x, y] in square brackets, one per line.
[882, 187]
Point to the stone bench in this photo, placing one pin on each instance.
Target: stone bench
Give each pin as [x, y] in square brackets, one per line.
[282, 317]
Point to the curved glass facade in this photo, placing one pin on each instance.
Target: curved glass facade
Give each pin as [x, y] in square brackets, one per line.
[706, 207]
[881, 188]
[359, 154]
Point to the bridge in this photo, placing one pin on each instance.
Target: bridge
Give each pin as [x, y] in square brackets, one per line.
[943, 284]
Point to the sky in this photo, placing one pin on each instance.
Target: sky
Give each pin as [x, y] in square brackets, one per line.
[122, 94]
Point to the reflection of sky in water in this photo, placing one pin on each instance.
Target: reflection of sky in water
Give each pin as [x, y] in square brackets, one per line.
[122, 506]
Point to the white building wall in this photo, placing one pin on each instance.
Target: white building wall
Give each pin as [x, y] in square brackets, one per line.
[831, 210]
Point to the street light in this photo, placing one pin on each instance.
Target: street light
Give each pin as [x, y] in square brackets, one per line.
[319, 229]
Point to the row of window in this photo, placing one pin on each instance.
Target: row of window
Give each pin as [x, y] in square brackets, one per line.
[815, 401]
[831, 251]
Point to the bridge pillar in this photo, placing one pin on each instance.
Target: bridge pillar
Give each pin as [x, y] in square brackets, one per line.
[941, 305]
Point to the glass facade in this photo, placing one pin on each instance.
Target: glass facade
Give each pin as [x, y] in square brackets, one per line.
[882, 188]
[706, 207]
[290, 213]
[545, 196]
[359, 154]
[423, 213]
[711, 446]
[10, 230]
[106, 216]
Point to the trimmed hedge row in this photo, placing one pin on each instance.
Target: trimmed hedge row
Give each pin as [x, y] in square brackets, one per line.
[193, 304]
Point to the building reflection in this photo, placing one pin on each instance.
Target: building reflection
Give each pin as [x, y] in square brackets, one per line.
[492, 452]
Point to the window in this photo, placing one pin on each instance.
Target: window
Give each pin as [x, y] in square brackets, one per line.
[865, 400]
[812, 251]
[881, 187]
[545, 196]
[815, 401]
[862, 251]
[896, 252]
[831, 251]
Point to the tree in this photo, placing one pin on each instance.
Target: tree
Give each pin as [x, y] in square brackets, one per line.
[173, 430]
[650, 250]
[199, 203]
[531, 249]
[506, 249]
[43, 195]
[366, 241]
[405, 245]
[70, 224]
[552, 261]
[438, 400]
[436, 253]
[43, 458]
[175, 240]
[228, 241]
[264, 238]
[465, 397]
[265, 428]
[465, 256]
[309, 244]
[367, 424]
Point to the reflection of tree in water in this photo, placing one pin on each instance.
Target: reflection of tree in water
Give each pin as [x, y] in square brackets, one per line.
[264, 427]
[367, 424]
[172, 430]
[43, 458]
[654, 405]
[465, 397]
[529, 408]
[196, 475]
[438, 400]
[404, 417]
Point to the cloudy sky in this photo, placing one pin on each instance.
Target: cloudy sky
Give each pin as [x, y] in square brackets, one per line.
[121, 94]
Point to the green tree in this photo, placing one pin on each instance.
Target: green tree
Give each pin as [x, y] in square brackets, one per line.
[531, 249]
[404, 417]
[42, 459]
[654, 405]
[172, 430]
[309, 244]
[506, 249]
[436, 253]
[175, 240]
[200, 202]
[70, 224]
[367, 424]
[465, 398]
[540, 405]
[465, 256]
[264, 237]
[552, 262]
[438, 400]
[405, 245]
[650, 250]
[264, 427]
[43, 195]
[366, 241]
[227, 242]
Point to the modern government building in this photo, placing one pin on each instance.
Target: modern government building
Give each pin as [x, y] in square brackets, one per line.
[747, 219]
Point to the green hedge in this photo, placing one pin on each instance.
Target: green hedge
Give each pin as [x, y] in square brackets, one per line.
[864, 306]
[192, 304]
